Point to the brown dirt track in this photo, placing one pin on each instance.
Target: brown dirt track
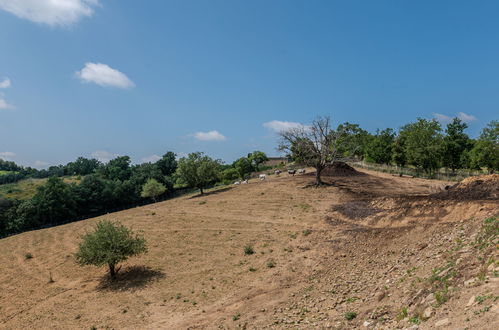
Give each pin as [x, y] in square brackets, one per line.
[374, 241]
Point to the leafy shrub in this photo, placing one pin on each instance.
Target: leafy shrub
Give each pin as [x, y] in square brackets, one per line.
[350, 315]
[248, 249]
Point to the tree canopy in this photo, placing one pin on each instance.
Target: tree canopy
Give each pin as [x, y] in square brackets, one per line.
[198, 170]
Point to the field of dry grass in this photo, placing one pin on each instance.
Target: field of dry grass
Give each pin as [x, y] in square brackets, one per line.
[319, 253]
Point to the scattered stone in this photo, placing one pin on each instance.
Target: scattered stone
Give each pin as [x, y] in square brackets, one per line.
[442, 323]
[428, 312]
[470, 282]
[471, 302]
[366, 324]
[379, 295]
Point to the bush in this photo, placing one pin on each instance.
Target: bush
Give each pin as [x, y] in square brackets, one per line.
[110, 244]
[350, 315]
[248, 249]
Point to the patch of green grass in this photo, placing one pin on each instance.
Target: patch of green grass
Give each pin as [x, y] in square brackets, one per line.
[248, 250]
[441, 297]
[350, 315]
[488, 233]
[293, 235]
[252, 269]
[28, 256]
[307, 232]
[351, 299]
[414, 320]
[271, 263]
[304, 206]
[236, 317]
[402, 314]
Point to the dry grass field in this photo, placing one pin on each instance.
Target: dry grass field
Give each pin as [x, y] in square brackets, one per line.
[364, 247]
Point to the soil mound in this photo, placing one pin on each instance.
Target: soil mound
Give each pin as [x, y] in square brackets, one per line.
[477, 187]
[340, 169]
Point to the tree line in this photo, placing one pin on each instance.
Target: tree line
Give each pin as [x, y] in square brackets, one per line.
[116, 185]
[423, 144]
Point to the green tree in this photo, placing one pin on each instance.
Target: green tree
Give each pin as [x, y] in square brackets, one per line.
[109, 244]
[54, 202]
[380, 148]
[167, 164]
[423, 144]
[117, 169]
[82, 166]
[256, 158]
[243, 167]
[352, 140]
[198, 170]
[455, 144]
[485, 153]
[152, 189]
[398, 151]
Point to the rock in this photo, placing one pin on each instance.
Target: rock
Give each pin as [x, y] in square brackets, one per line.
[495, 309]
[428, 312]
[471, 302]
[379, 295]
[366, 323]
[443, 272]
[429, 299]
[470, 282]
[442, 323]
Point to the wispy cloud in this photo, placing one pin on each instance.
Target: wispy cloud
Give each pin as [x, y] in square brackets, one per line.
[150, 159]
[103, 156]
[465, 117]
[51, 12]
[3, 104]
[40, 164]
[7, 155]
[280, 126]
[444, 119]
[209, 136]
[5, 83]
[104, 75]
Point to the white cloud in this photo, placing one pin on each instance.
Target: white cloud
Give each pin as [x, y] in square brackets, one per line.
[150, 159]
[7, 155]
[51, 12]
[40, 164]
[442, 118]
[209, 136]
[279, 126]
[103, 156]
[3, 104]
[103, 75]
[465, 117]
[5, 83]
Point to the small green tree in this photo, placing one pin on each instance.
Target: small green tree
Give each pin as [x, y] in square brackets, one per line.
[243, 167]
[256, 158]
[198, 170]
[110, 244]
[152, 189]
[380, 148]
[485, 153]
[455, 144]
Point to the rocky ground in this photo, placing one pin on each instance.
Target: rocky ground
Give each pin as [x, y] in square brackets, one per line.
[365, 251]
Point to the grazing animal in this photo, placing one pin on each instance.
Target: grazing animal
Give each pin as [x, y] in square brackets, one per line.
[277, 172]
[292, 172]
[262, 177]
[301, 171]
[237, 183]
[244, 182]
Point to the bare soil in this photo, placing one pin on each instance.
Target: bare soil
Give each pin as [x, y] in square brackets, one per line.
[383, 249]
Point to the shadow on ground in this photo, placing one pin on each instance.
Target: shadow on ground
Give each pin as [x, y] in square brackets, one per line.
[130, 278]
[213, 192]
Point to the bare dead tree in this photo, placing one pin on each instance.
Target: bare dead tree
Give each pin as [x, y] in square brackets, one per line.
[315, 145]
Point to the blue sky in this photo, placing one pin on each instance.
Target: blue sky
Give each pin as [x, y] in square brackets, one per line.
[115, 77]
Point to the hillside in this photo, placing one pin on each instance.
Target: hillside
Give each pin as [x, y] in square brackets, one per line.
[391, 252]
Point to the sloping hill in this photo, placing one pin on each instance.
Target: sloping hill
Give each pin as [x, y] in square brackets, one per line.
[371, 244]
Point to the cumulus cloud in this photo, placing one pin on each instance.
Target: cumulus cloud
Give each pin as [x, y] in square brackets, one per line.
[465, 117]
[279, 126]
[103, 156]
[3, 104]
[40, 164]
[51, 12]
[150, 159]
[209, 136]
[7, 155]
[5, 83]
[104, 75]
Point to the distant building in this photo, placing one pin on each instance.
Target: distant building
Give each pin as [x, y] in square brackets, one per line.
[273, 161]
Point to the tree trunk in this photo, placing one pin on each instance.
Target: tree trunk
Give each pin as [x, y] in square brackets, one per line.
[201, 189]
[112, 271]
[318, 180]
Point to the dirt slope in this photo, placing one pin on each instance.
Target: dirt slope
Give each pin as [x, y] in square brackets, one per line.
[372, 244]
